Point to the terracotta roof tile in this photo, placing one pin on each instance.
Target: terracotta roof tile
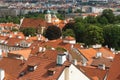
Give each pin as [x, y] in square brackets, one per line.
[7, 25]
[105, 52]
[12, 41]
[11, 66]
[41, 71]
[69, 38]
[3, 37]
[24, 52]
[94, 73]
[29, 22]
[114, 71]
[102, 60]
[89, 53]
[19, 35]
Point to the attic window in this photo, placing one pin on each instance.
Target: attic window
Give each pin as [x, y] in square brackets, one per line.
[32, 67]
[22, 74]
[51, 71]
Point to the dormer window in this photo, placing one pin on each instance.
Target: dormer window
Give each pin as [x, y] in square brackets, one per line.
[25, 44]
[22, 74]
[32, 67]
[51, 71]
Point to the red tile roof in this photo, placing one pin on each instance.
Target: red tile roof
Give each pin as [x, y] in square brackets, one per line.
[13, 41]
[114, 71]
[41, 72]
[35, 23]
[8, 25]
[69, 38]
[89, 53]
[105, 52]
[24, 52]
[11, 66]
[3, 37]
[102, 60]
[94, 73]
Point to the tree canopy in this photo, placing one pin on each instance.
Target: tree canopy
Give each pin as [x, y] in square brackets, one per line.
[53, 32]
[112, 36]
[103, 29]
[108, 14]
[68, 32]
[29, 31]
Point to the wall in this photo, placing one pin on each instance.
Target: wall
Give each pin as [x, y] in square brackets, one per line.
[72, 73]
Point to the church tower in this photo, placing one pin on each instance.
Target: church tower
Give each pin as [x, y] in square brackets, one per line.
[48, 17]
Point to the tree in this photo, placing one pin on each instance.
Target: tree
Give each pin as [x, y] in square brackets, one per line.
[117, 19]
[35, 15]
[69, 26]
[79, 30]
[29, 31]
[53, 32]
[112, 36]
[91, 20]
[102, 20]
[93, 35]
[68, 32]
[60, 16]
[108, 14]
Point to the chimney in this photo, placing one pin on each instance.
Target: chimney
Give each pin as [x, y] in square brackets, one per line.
[40, 49]
[74, 61]
[98, 55]
[61, 58]
[0, 53]
[15, 32]
[2, 74]
[10, 36]
[26, 38]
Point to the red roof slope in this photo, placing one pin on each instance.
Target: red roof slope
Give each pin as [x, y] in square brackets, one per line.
[29, 22]
[11, 66]
[94, 73]
[41, 72]
[114, 71]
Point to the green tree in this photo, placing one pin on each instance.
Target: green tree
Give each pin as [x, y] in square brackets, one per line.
[29, 31]
[53, 32]
[69, 26]
[112, 36]
[68, 32]
[79, 30]
[93, 35]
[102, 20]
[80, 19]
[117, 19]
[91, 20]
[60, 16]
[35, 15]
[108, 14]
